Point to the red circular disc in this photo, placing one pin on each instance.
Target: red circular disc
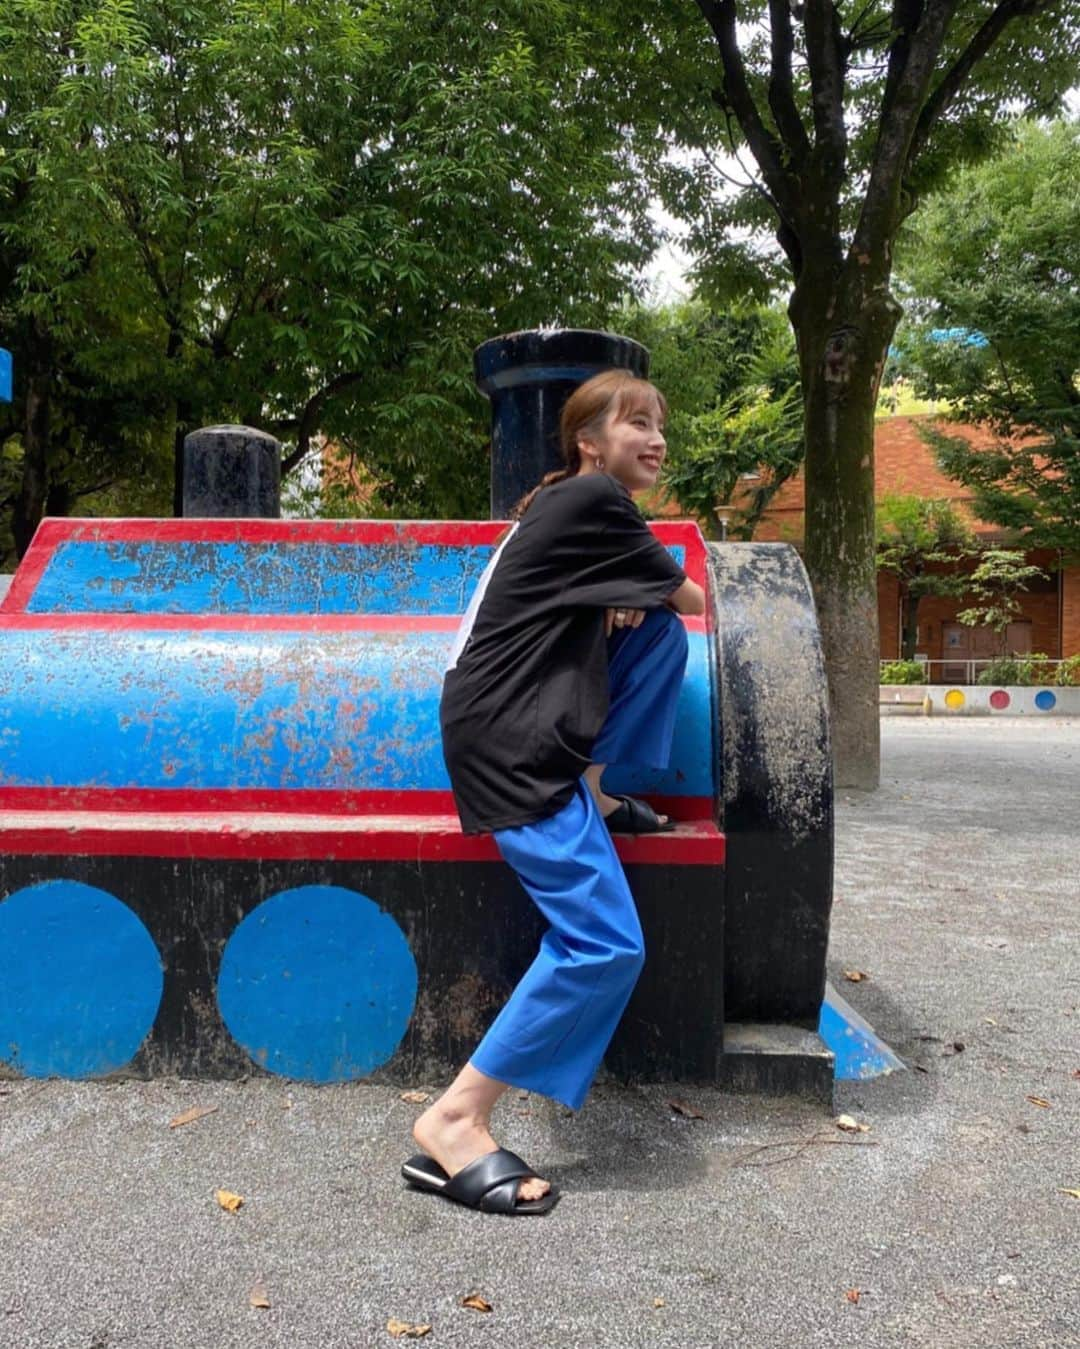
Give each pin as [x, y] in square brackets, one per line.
[999, 699]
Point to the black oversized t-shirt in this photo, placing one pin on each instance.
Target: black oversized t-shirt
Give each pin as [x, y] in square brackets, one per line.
[527, 698]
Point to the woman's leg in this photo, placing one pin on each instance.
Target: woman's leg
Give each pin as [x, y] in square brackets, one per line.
[553, 1031]
[457, 1128]
[646, 666]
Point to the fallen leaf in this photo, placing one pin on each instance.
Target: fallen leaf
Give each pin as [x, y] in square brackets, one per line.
[416, 1097]
[190, 1116]
[658, 1302]
[257, 1297]
[399, 1328]
[685, 1108]
[850, 1125]
[1076, 1074]
[476, 1302]
[989, 1020]
[853, 1295]
[1039, 1101]
[855, 976]
[229, 1202]
[1075, 1193]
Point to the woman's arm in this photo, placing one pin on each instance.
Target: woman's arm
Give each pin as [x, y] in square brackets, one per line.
[688, 599]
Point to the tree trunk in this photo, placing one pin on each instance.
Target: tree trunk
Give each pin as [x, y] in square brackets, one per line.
[909, 626]
[843, 342]
[34, 489]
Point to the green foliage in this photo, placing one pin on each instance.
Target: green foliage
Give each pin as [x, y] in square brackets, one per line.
[915, 531]
[903, 672]
[998, 254]
[304, 217]
[997, 583]
[731, 380]
[915, 538]
[1025, 671]
[1068, 672]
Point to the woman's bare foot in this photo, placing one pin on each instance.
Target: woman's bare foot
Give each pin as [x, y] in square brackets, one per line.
[455, 1140]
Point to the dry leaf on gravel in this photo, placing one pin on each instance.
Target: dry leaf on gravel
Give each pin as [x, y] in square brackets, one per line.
[1075, 1193]
[416, 1097]
[851, 1125]
[658, 1302]
[685, 1108]
[1076, 1074]
[229, 1202]
[855, 976]
[853, 1295]
[257, 1297]
[190, 1116]
[403, 1328]
[1040, 1101]
[476, 1302]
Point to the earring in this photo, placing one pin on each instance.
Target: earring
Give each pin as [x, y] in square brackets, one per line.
[600, 462]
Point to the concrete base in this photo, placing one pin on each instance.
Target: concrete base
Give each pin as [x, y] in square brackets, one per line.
[776, 1060]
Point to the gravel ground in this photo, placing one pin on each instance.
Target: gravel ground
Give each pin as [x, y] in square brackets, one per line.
[760, 1225]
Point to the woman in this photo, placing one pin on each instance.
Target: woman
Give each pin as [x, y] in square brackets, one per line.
[570, 657]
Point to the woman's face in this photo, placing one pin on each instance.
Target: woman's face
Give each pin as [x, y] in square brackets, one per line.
[632, 447]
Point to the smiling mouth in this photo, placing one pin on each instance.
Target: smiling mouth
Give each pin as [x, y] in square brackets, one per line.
[650, 462]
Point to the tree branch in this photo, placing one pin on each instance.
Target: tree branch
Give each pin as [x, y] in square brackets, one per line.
[826, 58]
[309, 418]
[906, 85]
[953, 79]
[736, 95]
[781, 88]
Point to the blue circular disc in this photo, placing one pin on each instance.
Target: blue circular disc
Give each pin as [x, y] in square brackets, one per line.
[1045, 701]
[318, 983]
[80, 981]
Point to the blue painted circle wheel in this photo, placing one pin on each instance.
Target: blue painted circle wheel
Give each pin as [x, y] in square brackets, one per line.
[80, 981]
[318, 983]
[1045, 701]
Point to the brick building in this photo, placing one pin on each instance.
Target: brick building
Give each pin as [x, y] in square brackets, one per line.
[1050, 618]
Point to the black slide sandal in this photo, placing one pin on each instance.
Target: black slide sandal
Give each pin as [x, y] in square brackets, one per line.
[488, 1184]
[631, 816]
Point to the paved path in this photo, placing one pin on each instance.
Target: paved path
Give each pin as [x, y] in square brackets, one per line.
[957, 892]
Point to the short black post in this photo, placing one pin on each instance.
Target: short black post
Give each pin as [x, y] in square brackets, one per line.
[231, 472]
[529, 376]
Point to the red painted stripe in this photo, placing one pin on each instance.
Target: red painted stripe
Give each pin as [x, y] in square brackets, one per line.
[185, 801]
[153, 530]
[26, 578]
[314, 623]
[432, 838]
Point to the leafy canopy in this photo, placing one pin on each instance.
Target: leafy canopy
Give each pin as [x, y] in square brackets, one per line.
[997, 256]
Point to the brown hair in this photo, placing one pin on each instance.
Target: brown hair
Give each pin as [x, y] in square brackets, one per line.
[584, 414]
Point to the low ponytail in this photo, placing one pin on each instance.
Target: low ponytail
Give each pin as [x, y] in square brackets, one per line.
[558, 475]
[584, 415]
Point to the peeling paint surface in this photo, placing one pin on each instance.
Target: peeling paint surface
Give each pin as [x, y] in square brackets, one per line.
[85, 576]
[257, 710]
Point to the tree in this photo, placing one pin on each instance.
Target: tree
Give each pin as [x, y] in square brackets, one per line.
[996, 583]
[732, 387]
[851, 111]
[916, 535]
[992, 265]
[305, 216]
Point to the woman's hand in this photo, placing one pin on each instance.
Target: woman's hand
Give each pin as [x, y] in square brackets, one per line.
[622, 618]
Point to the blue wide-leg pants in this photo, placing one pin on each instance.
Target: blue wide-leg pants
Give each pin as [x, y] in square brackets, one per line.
[552, 1033]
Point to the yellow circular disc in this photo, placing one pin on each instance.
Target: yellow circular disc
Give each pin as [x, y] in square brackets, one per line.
[954, 698]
